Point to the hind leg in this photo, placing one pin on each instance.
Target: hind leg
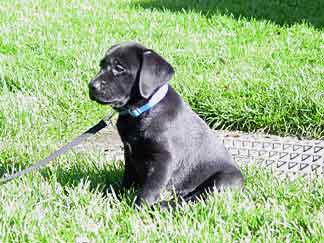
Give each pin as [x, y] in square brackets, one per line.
[218, 181]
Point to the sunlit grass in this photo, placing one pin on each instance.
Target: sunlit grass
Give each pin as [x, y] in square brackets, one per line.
[237, 72]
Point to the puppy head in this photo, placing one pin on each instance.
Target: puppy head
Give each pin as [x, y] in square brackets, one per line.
[129, 72]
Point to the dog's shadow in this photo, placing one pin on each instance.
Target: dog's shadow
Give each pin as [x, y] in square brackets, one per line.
[104, 179]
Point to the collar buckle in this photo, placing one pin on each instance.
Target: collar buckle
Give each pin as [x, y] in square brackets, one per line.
[134, 112]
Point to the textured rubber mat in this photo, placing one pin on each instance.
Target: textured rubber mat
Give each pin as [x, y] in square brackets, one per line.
[283, 155]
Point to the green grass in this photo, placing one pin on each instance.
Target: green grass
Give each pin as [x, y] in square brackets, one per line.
[247, 65]
[48, 209]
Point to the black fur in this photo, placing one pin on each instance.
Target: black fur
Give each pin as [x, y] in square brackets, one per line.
[168, 147]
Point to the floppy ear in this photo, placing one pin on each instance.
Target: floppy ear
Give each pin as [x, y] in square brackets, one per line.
[155, 72]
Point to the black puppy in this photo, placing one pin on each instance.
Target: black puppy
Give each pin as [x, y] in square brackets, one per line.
[167, 146]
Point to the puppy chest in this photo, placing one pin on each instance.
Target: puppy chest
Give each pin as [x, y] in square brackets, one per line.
[137, 158]
[139, 152]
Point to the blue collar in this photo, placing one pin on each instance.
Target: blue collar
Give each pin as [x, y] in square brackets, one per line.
[156, 98]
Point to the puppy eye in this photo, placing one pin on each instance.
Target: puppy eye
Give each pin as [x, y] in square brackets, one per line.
[119, 68]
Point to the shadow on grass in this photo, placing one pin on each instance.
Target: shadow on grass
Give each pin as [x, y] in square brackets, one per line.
[100, 179]
[279, 12]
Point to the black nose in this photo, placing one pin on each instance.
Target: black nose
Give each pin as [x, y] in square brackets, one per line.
[94, 87]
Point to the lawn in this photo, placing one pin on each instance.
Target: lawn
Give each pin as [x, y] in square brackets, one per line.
[246, 65]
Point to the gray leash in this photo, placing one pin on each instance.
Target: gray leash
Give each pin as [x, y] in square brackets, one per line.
[91, 131]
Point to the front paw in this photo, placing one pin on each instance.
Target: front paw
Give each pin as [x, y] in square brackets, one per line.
[146, 198]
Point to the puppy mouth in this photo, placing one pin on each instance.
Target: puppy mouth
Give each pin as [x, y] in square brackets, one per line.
[103, 101]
